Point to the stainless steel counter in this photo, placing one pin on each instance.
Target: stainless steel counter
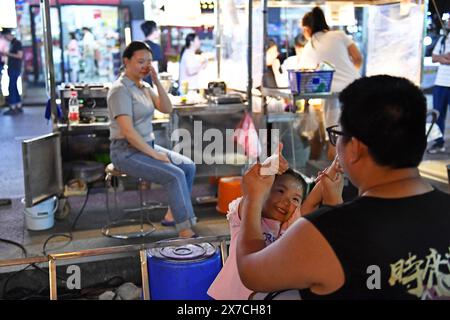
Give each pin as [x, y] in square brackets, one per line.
[221, 117]
[209, 108]
[286, 93]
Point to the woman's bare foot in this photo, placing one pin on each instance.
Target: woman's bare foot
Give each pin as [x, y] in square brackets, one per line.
[186, 233]
[169, 215]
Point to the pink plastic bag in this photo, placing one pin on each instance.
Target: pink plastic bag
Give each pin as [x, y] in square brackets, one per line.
[246, 136]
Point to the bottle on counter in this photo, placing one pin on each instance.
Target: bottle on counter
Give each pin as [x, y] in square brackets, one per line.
[74, 108]
[184, 88]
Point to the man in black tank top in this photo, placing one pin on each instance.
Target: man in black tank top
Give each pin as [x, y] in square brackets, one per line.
[392, 242]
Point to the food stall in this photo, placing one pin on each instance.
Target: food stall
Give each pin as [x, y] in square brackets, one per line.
[88, 141]
[377, 27]
[239, 64]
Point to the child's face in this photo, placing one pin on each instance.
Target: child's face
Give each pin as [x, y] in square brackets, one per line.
[284, 198]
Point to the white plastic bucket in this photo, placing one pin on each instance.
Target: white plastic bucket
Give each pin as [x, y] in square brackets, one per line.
[42, 215]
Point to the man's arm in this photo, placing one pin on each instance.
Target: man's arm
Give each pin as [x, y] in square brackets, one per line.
[301, 259]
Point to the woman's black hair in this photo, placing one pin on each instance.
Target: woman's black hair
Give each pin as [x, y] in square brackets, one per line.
[131, 49]
[189, 39]
[315, 20]
[297, 176]
[271, 43]
[73, 35]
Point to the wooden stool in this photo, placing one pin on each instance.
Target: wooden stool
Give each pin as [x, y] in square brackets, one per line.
[229, 189]
[111, 173]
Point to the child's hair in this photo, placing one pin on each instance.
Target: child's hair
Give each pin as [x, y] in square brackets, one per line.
[297, 175]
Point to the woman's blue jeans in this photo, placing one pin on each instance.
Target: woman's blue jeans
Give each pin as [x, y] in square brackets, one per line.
[177, 177]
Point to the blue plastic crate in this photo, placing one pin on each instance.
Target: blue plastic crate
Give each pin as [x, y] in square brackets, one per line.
[310, 81]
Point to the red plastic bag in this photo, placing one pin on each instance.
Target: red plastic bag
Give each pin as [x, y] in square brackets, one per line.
[246, 136]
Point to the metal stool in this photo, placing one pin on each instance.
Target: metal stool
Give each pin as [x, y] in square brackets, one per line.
[111, 173]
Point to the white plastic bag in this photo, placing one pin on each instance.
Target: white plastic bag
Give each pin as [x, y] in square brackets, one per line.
[307, 124]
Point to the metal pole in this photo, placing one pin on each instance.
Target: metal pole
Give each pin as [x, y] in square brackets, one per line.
[49, 66]
[52, 278]
[263, 98]
[250, 55]
[144, 274]
[424, 5]
[61, 43]
[218, 38]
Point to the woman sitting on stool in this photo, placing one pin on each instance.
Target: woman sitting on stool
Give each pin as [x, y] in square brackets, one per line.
[131, 104]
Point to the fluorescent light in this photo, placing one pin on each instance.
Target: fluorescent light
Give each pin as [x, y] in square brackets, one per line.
[427, 41]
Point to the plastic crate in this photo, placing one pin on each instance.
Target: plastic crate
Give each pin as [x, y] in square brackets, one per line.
[301, 81]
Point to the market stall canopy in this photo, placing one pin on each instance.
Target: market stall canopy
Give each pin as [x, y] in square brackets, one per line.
[179, 13]
[358, 2]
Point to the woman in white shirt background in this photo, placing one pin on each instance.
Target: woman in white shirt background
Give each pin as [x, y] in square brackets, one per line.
[336, 48]
[191, 63]
[74, 57]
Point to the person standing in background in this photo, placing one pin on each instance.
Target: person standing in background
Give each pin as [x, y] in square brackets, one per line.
[294, 61]
[191, 63]
[74, 57]
[14, 56]
[333, 47]
[272, 75]
[3, 48]
[89, 47]
[441, 90]
[152, 34]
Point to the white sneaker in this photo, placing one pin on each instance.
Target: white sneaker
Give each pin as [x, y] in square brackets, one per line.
[434, 149]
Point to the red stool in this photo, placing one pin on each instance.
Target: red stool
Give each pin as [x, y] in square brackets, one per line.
[229, 189]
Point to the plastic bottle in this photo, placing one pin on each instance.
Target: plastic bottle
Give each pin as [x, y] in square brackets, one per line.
[74, 108]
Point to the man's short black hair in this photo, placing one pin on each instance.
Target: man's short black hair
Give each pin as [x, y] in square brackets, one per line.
[387, 114]
[148, 27]
[6, 31]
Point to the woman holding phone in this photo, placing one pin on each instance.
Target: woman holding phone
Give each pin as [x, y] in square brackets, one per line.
[131, 104]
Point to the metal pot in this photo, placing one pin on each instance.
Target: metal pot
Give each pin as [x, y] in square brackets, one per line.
[88, 171]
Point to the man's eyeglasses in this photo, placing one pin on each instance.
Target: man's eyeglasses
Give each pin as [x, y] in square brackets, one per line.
[333, 134]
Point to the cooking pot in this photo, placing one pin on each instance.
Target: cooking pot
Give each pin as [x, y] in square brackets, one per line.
[88, 171]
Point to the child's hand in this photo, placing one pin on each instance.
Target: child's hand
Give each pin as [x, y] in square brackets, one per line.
[275, 164]
[255, 185]
[332, 189]
[331, 171]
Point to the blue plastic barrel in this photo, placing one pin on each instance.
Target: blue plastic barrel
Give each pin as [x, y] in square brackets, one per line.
[183, 272]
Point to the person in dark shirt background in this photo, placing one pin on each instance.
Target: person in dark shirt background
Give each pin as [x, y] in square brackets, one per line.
[14, 56]
[152, 33]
